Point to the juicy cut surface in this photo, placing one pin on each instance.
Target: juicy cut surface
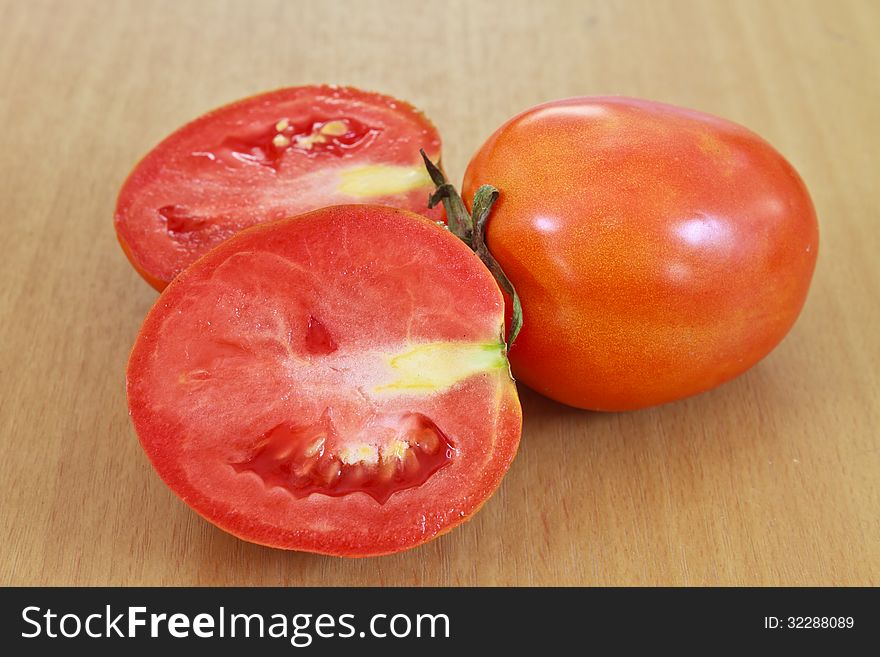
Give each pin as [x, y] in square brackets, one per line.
[265, 158]
[312, 360]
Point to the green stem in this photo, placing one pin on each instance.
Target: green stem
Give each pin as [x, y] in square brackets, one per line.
[457, 218]
[471, 229]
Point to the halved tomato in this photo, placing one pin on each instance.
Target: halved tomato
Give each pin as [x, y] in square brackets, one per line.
[267, 157]
[335, 383]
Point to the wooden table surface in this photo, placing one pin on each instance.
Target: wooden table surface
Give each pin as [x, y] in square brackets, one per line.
[771, 479]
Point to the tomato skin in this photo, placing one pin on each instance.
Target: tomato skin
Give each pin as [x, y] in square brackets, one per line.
[156, 283]
[658, 251]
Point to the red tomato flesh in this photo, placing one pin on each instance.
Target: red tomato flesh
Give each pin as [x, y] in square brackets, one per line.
[657, 251]
[335, 383]
[267, 157]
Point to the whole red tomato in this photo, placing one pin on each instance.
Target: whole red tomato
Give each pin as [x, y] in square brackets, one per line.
[658, 251]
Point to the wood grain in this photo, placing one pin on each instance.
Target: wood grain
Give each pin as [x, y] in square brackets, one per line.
[771, 479]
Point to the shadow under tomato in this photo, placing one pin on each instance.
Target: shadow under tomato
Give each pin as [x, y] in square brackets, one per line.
[536, 405]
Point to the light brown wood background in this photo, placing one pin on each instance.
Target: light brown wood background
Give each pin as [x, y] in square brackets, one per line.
[771, 479]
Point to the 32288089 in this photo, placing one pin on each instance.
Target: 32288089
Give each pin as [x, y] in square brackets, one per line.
[809, 622]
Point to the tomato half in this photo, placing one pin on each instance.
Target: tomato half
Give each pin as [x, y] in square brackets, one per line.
[267, 157]
[334, 383]
[658, 251]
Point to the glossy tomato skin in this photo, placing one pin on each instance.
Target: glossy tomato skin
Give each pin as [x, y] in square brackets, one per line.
[267, 157]
[658, 251]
